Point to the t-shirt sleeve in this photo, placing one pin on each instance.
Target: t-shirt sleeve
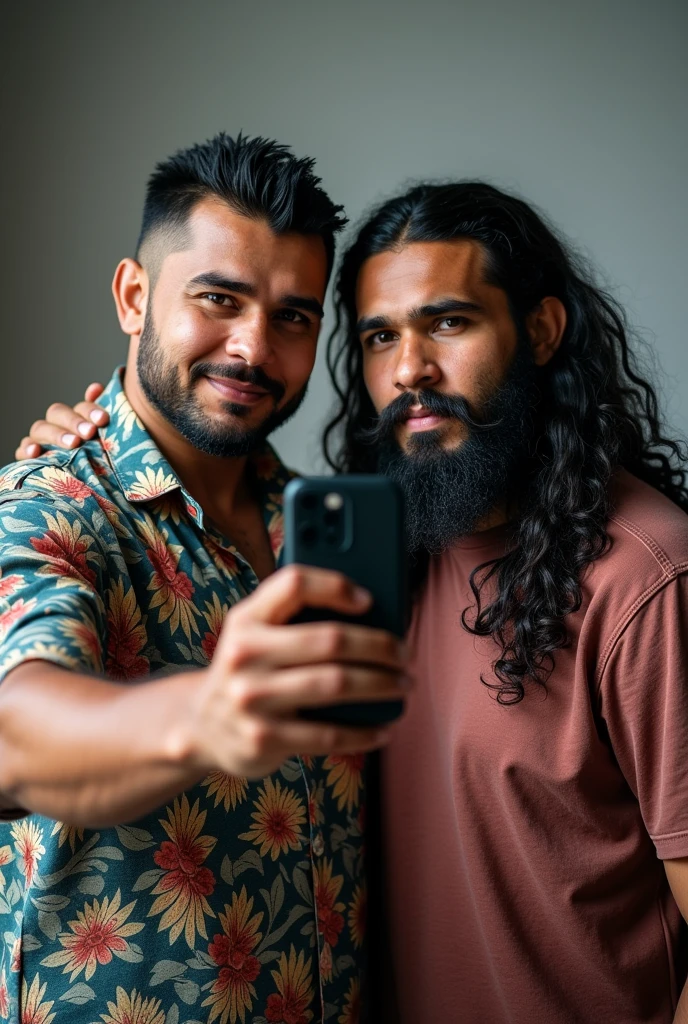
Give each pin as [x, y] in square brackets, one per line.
[51, 580]
[644, 700]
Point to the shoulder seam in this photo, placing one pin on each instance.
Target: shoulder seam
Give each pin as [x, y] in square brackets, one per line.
[652, 546]
[37, 467]
[647, 594]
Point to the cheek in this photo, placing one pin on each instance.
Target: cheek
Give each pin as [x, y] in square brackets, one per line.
[475, 369]
[378, 381]
[295, 366]
[190, 335]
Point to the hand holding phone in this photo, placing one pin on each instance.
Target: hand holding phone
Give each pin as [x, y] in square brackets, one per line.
[353, 525]
[248, 706]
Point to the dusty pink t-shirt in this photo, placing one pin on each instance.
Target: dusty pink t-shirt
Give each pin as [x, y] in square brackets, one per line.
[525, 844]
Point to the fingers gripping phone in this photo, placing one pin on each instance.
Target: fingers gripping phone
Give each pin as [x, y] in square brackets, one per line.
[354, 525]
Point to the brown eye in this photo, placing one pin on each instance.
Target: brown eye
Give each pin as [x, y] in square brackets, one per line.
[452, 322]
[293, 321]
[381, 338]
[292, 316]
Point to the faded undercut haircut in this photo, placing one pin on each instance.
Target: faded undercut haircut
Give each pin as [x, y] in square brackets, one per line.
[256, 177]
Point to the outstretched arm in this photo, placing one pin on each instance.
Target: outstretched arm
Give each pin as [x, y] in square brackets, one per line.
[95, 753]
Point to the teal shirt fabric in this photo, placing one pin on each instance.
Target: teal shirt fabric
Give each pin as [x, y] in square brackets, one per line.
[238, 901]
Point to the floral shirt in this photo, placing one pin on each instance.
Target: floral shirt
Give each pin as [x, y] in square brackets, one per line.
[238, 901]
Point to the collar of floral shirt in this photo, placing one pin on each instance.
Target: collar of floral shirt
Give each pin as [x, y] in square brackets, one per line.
[145, 475]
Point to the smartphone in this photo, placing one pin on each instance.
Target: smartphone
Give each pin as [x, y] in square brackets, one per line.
[354, 525]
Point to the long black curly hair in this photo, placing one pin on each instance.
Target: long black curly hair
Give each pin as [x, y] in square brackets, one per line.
[596, 412]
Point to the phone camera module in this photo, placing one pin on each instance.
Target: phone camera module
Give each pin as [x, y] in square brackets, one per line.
[308, 534]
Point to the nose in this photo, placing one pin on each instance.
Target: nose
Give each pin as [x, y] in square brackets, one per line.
[416, 366]
[249, 340]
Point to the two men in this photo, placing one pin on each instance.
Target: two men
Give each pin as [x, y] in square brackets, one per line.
[535, 798]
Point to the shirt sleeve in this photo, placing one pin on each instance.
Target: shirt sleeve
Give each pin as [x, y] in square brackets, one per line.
[644, 696]
[52, 568]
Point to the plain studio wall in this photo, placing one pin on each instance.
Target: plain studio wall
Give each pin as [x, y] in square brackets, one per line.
[580, 107]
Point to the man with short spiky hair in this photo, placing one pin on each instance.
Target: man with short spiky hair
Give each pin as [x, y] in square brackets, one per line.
[170, 849]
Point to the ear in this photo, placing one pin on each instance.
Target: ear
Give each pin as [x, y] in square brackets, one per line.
[546, 325]
[130, 290]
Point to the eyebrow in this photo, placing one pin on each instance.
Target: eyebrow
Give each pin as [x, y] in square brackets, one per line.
[379, 323]
[303, 302]
[213, 280]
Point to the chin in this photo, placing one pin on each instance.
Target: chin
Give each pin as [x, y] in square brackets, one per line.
[430, 442]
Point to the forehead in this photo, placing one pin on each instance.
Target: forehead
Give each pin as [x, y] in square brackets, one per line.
[391, 282]
[245, 249]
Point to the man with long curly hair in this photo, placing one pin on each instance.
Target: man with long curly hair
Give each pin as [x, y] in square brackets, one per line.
[536, 809]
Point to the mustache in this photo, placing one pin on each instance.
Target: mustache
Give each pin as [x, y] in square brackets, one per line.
[438, 404]
[238, 371]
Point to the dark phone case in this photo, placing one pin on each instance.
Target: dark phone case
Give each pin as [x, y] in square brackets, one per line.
[372, 554]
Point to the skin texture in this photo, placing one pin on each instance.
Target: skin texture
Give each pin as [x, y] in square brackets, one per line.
[240, 715]
[201, 322]
[465, 349]
[460, 350]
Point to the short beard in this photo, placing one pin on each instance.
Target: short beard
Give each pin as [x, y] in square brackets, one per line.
[177, 403]
[448, 493]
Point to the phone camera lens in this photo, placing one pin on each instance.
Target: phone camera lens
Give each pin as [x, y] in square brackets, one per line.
[308, 501]
[308, 534]
[333, 501]
[331, 518]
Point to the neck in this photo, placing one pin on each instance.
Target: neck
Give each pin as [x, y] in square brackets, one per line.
[497, 517]
[216, 483]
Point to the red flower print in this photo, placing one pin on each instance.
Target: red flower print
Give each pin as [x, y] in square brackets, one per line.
[182, 890]
[223, 558]
[290, 1004]
[66, 485]
[34, 1009]
[65, 550]
[277, 820]
[84, 634]
[214, 615]
[126, 635]
[9, 585]
[100, 930]
[28, 842]
[327, 889]
[166, 575]
[233, 992]
[13, 614]
[172, 588]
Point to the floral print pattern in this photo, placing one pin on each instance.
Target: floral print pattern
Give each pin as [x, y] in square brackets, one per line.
[240, 901]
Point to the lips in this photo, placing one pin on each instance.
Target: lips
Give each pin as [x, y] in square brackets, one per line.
[237, 391]
[421, 419]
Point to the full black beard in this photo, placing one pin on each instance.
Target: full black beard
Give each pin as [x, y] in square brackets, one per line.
[161, 384]
[447, 493]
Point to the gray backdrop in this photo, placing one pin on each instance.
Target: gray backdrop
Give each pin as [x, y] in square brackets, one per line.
[579, 106]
